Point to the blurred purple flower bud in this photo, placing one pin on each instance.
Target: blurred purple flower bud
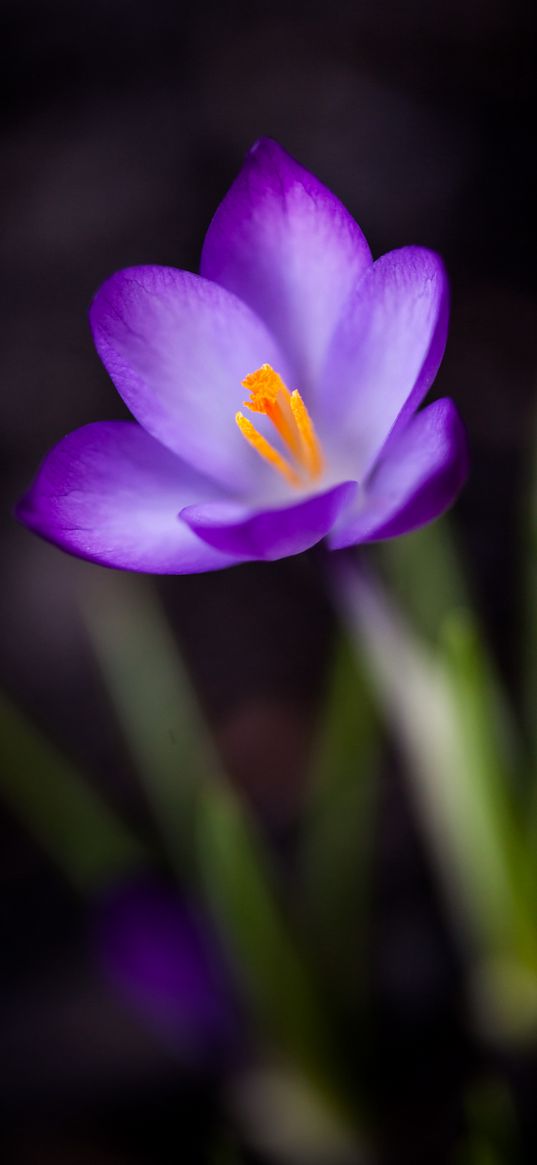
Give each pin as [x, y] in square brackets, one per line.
[162, 956]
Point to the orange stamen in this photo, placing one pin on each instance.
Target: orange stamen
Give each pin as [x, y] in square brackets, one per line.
[266, 450]
[269, 395]
[289, 415]
[311, 449]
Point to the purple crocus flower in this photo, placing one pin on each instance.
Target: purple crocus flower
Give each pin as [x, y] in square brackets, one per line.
[336, 352]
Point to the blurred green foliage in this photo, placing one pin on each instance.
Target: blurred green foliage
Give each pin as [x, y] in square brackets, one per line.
[411, 658]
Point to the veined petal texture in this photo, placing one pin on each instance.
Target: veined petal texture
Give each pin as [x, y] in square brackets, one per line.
[289, 248]
[110, 493]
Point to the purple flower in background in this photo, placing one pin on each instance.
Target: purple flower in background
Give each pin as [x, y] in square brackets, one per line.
[163, 959]
[336, 352]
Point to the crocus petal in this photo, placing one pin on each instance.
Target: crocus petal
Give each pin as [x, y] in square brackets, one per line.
[269, 534]
[288, 247]
[110, 493]
[177, 348]
[416, 480]
[385, 352]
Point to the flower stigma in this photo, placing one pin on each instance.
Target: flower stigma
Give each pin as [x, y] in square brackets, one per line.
[290, 417]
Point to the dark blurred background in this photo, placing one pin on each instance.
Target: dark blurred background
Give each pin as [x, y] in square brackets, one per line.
[122, 126]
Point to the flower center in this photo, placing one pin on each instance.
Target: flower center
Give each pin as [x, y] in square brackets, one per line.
[289, 415]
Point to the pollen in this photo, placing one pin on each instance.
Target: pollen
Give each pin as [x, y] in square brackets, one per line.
[267, 451]
[286, 410]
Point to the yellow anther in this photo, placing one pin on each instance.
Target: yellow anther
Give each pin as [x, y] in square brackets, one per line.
[289, 415]
[270, 396]
[266, 450]
[312, 456]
